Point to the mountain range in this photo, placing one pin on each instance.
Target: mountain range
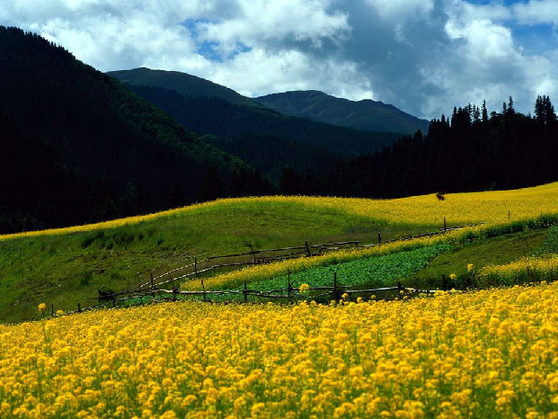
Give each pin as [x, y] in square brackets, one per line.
[366, 115]
[182, 83]
[264, 138]
[218, 111]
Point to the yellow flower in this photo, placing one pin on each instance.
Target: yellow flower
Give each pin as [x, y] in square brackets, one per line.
[304, 288]
[42, 307]
[470, 267]
[59, 312]
[345, 360]
[453, 277]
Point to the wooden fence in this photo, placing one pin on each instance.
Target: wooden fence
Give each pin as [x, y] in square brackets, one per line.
[289, 294]
[254, 257]
[153, 286]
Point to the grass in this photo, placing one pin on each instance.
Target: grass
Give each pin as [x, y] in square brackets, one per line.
[377, 271]
[494, 251]
[372, 271]
[65, 267]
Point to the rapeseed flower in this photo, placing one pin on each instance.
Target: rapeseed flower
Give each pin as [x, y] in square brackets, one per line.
[304, 288]
[459, 355]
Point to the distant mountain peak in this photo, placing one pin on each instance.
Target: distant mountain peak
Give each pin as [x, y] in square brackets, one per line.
[366, 114]
[183, 83]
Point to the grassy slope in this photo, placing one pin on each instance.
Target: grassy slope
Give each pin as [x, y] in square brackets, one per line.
[67, 266]
[496, 251]
[64, 269]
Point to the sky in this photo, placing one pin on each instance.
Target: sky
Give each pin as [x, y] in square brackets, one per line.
[423, 56]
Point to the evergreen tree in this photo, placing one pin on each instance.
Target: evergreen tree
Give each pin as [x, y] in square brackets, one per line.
[484, 112]
[511, 109]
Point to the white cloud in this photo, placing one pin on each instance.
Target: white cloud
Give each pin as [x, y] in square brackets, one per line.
[485, 40]
[494, 11]
[107, 34]
[254, 71]
[424, 56]
[260, 21]
[536, 11]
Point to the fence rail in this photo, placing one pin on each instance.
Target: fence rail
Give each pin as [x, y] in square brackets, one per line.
[152, 286]
[258, 256]
[289, 293]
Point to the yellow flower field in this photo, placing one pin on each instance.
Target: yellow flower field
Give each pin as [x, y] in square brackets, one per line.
[523, 270]
[488, 354]
[460, 208]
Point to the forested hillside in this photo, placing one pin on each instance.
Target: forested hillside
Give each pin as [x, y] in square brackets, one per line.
[78, 146]
[221, 117]
[470, 151]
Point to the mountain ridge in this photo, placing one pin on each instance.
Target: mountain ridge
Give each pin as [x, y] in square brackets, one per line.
[217, 116]
[183, 83]
[366, 114]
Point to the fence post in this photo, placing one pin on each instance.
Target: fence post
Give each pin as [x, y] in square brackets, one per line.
[174, 291]
[509, 215]
[151, 279]
[444, 283]
[308, 251]
[400, 289]
[335, 293]
[52, 310]
[445, 224]
[379, 237]
[253, 254]
[79, 308]
[245, 292]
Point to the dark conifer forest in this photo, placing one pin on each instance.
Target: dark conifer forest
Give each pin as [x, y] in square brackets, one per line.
[77, 146]
[473, 150]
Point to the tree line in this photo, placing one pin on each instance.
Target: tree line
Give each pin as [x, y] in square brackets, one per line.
[472, 150]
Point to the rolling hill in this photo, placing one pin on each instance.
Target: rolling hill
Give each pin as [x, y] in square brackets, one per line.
[366, 115]
[67, 266]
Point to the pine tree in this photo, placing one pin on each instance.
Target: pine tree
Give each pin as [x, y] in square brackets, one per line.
[511, 109]
[484, 112]
[544, 110]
